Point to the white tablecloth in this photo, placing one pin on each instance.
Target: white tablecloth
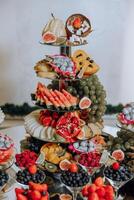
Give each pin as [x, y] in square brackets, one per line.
[18, 133]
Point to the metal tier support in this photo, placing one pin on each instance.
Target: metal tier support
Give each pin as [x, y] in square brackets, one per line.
[65, 50]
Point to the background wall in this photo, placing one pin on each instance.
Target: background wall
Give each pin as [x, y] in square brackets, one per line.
[111, 44]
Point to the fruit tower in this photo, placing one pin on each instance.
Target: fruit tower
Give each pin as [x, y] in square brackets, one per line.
[74, 102]
[69, 123]
[66, 131]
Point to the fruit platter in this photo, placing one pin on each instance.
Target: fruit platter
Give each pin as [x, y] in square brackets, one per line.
[65, 154]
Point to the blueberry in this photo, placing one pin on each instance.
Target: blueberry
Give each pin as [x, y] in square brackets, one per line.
[44, 193]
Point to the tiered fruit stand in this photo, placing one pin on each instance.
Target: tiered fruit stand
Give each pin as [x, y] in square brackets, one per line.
[73, 87]
[65, 146]
[67, 132]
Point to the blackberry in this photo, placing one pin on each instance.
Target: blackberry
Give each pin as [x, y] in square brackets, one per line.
[35, 144]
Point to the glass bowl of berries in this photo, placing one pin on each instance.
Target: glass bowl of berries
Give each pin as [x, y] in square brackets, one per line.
[4, 177]
[25, 159]
[6, 182]
[32, 173]
[99, 189]
[118, 175]
[74, 179]
[33, 191]
[90, 161]
[6, 149]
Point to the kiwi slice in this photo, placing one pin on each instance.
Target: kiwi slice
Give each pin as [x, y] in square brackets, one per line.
[50, 167]
[61, 153]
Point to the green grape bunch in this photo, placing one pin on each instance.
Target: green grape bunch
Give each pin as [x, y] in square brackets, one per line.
[88, 87]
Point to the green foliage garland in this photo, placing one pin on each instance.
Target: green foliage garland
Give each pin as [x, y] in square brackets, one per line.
[24, 109]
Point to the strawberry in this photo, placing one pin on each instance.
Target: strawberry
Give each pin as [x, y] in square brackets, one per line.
[32, 169]
[85, 191]
[77, 23]
[29, 193]
[41, 119]
[92, 188]
[21, 197]
[35, 195]
[109, 188]
[53, 123]
[109, 194]
[55, 115]
[73, 168]
[109, 197]
[44, 197]
[99, 181]
[101, 192]
[46, 113]
[19, 191]
[37, 186]
[47, 121]
[116, 166]
[93, 196]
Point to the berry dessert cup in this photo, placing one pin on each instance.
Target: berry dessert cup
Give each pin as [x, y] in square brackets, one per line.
[126, 117]
[32, 173]
[74, 179]
[117, 175]
[90, 161]
[6, 150]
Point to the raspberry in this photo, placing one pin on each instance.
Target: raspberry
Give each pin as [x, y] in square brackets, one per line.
[55, 115]
[116, 166]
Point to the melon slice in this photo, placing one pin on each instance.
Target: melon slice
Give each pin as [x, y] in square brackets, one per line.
[85, 103]
[95, 129]
[118, 155]
[85, 133]
[49, 37]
